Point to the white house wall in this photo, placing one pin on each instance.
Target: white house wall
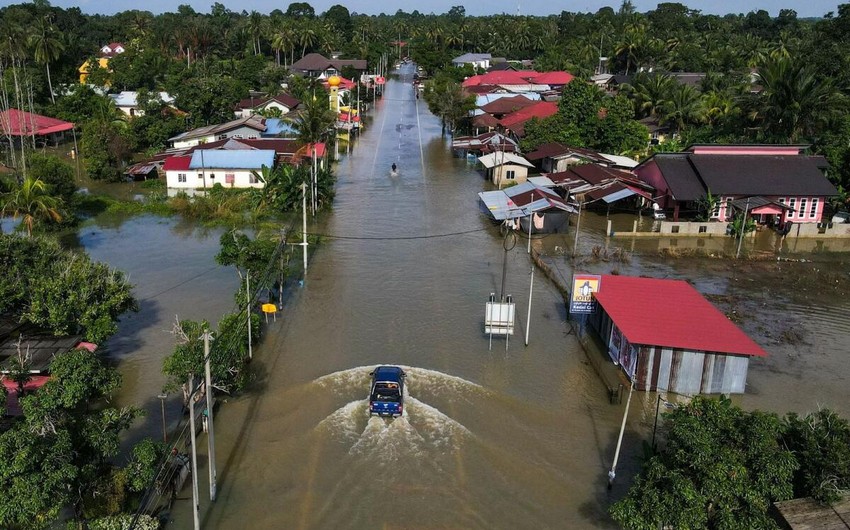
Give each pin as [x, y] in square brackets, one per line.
[196, 179]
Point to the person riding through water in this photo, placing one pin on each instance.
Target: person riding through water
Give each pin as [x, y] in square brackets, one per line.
[394, 167]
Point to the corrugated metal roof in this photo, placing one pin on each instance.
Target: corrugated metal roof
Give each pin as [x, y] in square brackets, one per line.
[501, 158]
[243, 159]
[672, 314]
[499, 205]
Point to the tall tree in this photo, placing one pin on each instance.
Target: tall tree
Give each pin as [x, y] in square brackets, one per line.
[46, 46]
[721, 469]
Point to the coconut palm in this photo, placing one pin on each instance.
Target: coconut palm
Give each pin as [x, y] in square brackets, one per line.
[794, 102]
[46, 48]
[32, 202]
[315, 120]
[649, 93]
[682, 107]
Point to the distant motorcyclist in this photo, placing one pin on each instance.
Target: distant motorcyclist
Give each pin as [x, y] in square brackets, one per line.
[394, 167]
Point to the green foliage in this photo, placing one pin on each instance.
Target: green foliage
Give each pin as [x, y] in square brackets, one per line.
[80, 105]
[123, 522]
[79, 296]
[588, 117]
[228, 353]
[821, 443]
[31, 200]
[106, 148]
[55, 172]
[143, 465]
[59, 454]
[62, 291]
[208, 100]
[721, 468]
[447, 100]
[240, 251]
[737, 224]
[315, 120]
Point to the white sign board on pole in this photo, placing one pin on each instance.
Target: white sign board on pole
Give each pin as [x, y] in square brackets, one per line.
[499, 318]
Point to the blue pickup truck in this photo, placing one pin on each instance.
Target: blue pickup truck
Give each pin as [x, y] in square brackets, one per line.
[386, 397]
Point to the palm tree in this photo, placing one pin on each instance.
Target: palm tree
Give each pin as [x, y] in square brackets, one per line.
[682, 107]
[649, 93]
[32, 202]
[46, 47]
[254, 26]
[307, 36]
[315, 121]
[794, 102]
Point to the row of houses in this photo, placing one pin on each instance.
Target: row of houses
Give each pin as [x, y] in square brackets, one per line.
[775, 184]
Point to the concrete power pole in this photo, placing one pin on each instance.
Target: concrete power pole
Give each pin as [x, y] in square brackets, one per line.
[196, 508]
[210, 431]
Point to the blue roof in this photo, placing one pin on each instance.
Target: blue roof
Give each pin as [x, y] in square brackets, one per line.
[232, 159]
[276, 126]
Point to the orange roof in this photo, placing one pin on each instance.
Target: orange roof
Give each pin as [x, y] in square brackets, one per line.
[501, 77]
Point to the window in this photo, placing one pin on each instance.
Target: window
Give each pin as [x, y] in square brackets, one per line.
[727, 212]
[814, 211]
[674, 229]
[802, 212]
[716, 211]
[221, 137]
[200, 175]
[252, 178]
[510, 174]
[703, 229]
[237, 136]
[792, 203]
[229, 178]
[181, 177]
[212, 176]
[252, 136]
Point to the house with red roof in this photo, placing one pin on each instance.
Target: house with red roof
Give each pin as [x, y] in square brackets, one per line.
[667, 337]
[20, 124]
[515, 121]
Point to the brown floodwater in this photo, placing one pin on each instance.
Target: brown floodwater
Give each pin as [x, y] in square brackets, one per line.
[501, 438]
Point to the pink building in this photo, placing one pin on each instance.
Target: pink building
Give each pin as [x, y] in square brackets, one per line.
[775, 183]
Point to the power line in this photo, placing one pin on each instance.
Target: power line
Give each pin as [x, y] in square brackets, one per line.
[397, 238]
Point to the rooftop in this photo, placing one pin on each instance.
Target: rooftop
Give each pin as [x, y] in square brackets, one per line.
[678, 317]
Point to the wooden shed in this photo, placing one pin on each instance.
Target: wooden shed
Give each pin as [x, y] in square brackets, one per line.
[808, 514]
[666, 336]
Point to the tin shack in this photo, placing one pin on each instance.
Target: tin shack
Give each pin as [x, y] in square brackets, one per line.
[666, 336]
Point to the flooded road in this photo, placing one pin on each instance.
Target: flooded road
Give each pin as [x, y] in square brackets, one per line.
[490, 439]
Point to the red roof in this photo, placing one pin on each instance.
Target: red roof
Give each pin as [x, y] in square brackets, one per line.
[13, 408]
[177, 163]
[671, 314]
[501, 77]
[540, 109]
[507, 104]
[553, 78]
[21, 123]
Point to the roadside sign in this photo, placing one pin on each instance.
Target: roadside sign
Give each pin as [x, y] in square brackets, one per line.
[380, 80]
[581, 298]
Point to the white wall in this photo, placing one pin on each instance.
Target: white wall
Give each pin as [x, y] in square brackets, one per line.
[241, 178]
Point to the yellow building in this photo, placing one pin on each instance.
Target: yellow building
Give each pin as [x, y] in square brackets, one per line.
[85, 68]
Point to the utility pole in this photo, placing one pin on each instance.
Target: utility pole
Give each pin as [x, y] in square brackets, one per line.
[528, 318]
[578, 222]
[743, 228]
[304, 225]
[613, 473]
[248, 295]
[210, 431]
[530, 220]
[196, 508]
[281, 279]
